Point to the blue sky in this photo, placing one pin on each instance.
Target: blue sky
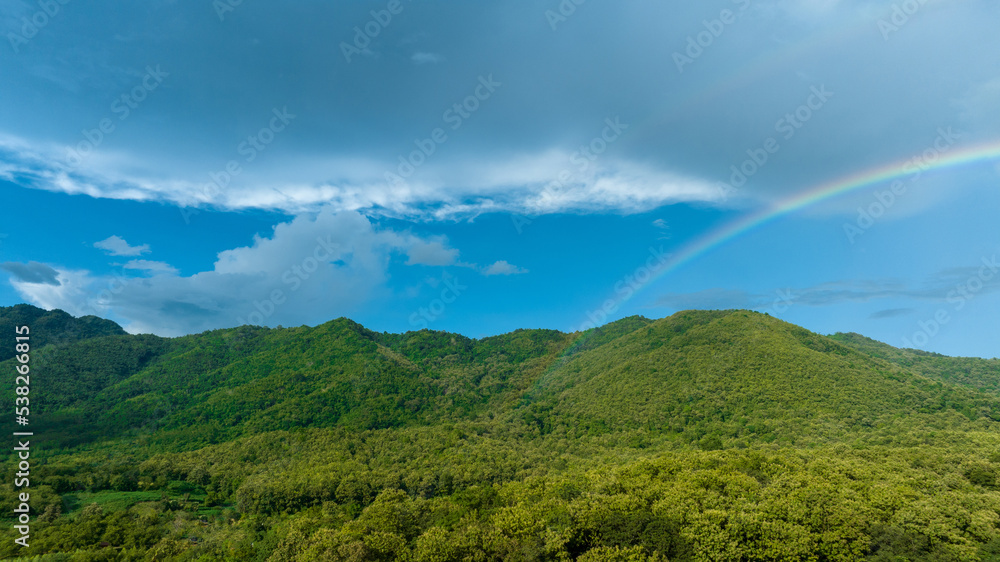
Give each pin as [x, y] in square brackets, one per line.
[482, 168]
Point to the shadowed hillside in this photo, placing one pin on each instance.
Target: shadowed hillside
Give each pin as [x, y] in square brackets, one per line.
[50, 327]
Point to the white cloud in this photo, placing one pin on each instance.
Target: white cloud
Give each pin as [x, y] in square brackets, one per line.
[503, 268]
[312, 268]
[117, 246]
[151, 266]
[430, 252]
[75, 292]
[426, 58]
[520, 183]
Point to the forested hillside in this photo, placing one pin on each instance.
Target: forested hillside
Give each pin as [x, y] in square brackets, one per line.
[707, 435]
[965, 371]
[52, 327]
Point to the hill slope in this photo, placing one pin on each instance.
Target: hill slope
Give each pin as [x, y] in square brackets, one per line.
[965, 371]
[703, 436]
[741, 375]
[50, 327]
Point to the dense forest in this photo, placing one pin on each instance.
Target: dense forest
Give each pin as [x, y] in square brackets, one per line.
[707, 435]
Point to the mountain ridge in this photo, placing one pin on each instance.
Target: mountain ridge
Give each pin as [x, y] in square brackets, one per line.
[704, 435]
[51, 326]
[735, 363]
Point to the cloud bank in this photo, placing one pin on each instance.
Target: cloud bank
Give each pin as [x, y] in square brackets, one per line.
[311, 269]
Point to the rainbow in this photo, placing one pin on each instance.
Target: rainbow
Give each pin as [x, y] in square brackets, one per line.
[762, 65]
[817, 194]
[822, 192]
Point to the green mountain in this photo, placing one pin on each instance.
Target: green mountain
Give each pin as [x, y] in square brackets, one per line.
[964, 371]
[50, 327]
[707, 435]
